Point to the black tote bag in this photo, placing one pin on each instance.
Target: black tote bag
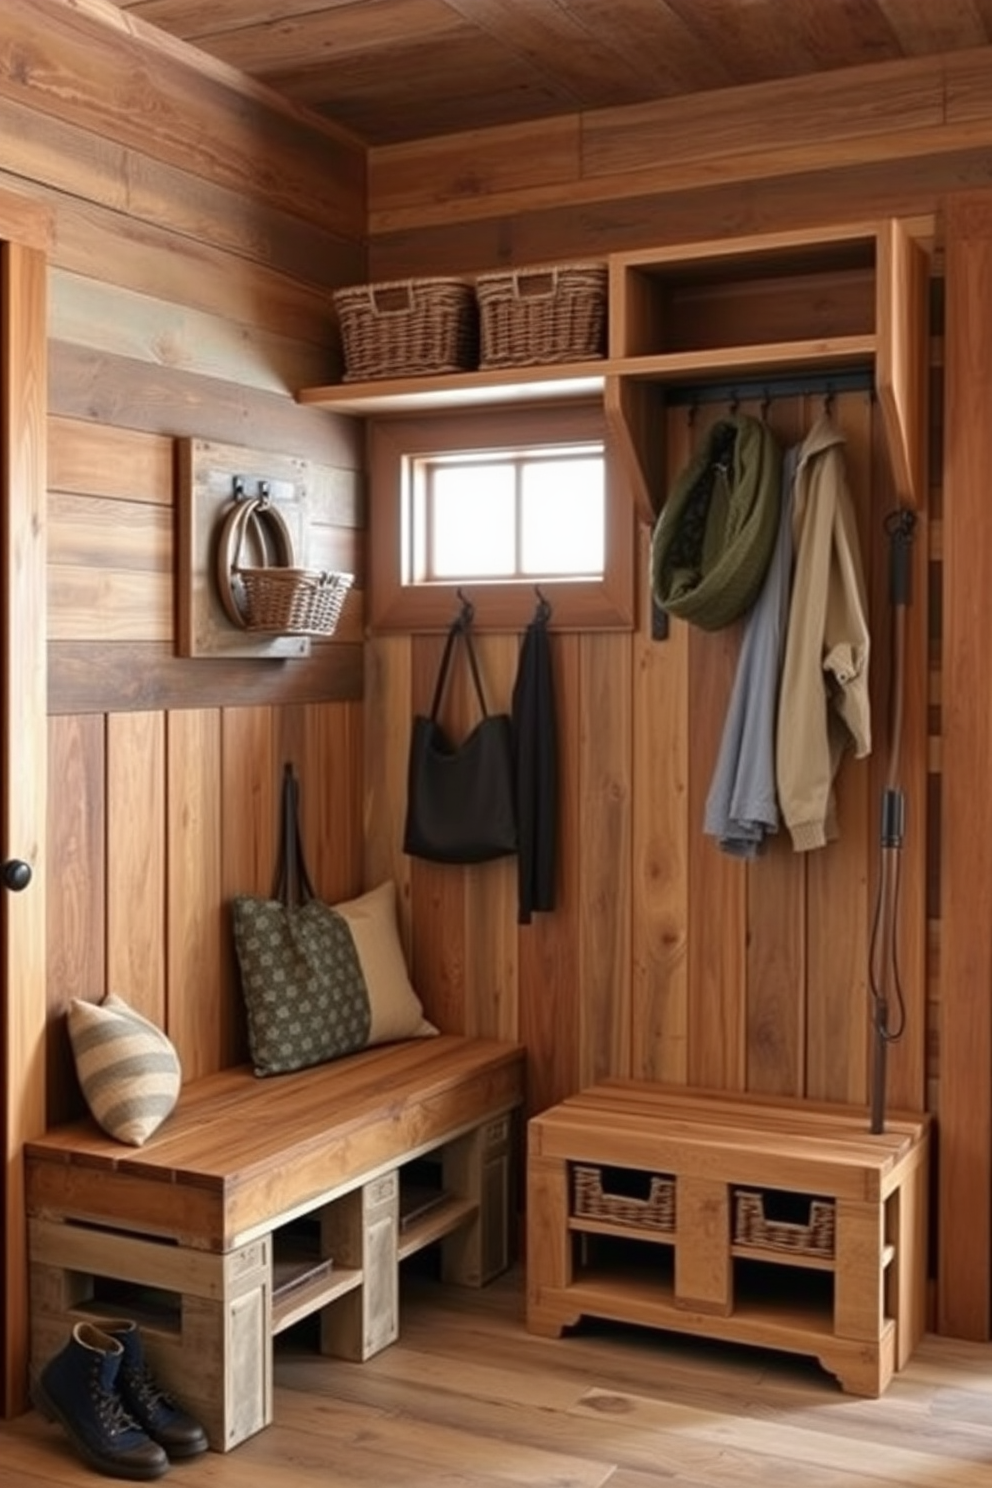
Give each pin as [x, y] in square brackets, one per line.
[460, 797]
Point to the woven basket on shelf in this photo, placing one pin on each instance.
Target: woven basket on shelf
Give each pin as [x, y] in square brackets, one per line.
[275, 597]
[751, 1227]
[531, 317]
[654, 1211]
[407, 328]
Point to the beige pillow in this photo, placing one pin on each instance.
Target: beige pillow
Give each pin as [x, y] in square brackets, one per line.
[128, 1069]
[396, 1010]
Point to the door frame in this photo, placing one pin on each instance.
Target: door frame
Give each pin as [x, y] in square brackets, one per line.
[25, 236]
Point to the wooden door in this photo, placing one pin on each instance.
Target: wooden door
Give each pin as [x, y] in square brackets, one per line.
[24, 234]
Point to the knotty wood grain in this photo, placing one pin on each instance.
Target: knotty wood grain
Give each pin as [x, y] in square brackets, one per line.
[76, 938]
[199, 1025]
[137, 853]
[660, 835]
[605, 785]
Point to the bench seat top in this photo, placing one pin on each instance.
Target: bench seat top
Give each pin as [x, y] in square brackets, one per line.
[239, 1150]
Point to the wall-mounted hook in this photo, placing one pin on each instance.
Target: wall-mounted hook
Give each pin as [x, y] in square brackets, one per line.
[262, 493]
[467, 614]
[766, 403]
[735, 403]
[692, 410]
[828, 400]
[543, 612]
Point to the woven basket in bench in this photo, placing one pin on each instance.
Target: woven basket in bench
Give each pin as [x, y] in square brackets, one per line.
[407, 328]
[534, 317]
[655, 1211]
[751, 1227]
[275, 597]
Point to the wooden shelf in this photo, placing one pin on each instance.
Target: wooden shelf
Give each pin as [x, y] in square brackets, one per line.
[441, 1221]
[809, 301]
[570, 380]
[795, 1259]
[294, 1303]
[621, 1231]
[795, 1326]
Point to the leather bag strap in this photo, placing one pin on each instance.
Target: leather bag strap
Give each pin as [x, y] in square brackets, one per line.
[292, 881]
[459, 627]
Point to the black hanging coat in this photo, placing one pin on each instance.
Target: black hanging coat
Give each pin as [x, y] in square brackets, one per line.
[535, 746]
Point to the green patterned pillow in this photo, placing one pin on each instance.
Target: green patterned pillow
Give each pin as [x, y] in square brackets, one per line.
[320, 982]
[128, 1069]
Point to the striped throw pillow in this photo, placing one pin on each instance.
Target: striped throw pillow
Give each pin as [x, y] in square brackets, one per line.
[128, 1069]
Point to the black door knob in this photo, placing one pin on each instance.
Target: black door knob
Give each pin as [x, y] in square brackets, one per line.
[16, 874]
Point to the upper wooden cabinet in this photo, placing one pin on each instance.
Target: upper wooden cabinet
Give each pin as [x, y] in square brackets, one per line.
[840, 298]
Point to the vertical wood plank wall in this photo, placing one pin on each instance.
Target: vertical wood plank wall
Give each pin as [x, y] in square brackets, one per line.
[664, 957]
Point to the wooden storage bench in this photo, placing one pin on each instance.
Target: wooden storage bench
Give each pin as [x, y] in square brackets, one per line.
[782, 1224]
[261, 1201]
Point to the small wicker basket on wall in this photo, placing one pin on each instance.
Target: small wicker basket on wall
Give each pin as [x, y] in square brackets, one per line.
[273, 596]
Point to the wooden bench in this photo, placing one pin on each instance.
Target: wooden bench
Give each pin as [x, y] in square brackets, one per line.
[261, 1201]
[779, 1223]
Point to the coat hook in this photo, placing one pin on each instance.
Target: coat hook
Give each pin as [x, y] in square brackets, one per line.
[828, 400]
[543, 614]
[735, 402]
[468, 609]
[766, 403]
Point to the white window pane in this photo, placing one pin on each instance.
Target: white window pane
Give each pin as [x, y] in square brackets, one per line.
[563, 512]
[474, 522]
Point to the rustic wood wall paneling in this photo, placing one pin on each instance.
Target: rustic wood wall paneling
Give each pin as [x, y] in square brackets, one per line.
[666, 957]
[147, 95]
[77, 892]
[137, 854]
[198, 1022]
[660, 834]
[716, 891]
[965, 1162]
[649, 219]
[606, 792]
[118, 676]
[822, 137]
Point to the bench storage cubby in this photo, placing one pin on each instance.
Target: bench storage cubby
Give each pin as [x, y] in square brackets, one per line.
[263, 1201]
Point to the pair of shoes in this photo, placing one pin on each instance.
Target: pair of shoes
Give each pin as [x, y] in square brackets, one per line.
[120, 1421]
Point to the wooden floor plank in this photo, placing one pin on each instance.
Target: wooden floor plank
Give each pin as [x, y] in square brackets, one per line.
[467, 1398]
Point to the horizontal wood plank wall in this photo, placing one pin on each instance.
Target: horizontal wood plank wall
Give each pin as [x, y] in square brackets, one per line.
[889, 139]
[200, 224]
[665, 958]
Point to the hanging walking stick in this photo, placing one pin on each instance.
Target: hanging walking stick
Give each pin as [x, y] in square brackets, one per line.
[885, 988]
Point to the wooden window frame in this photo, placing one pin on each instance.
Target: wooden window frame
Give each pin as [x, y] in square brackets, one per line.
[605, 603]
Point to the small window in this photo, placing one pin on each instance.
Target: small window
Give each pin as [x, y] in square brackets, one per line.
[530, 515]
[497, 504]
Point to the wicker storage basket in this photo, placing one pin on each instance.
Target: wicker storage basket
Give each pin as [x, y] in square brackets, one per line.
[654, 1211]
[533, 317]
[407, 328]
[276, 597]
[815, 1238]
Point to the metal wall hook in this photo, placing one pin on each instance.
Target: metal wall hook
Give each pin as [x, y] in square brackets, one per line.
[543, 612]
[467, 613]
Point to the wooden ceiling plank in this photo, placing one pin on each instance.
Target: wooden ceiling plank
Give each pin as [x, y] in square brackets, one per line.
[923, 29]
